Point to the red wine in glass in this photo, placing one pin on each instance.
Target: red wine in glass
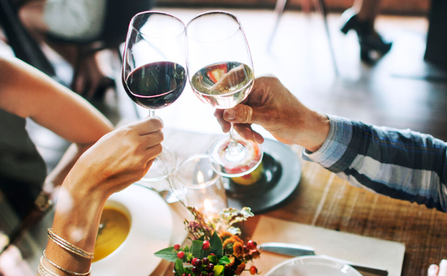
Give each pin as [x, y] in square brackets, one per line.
[156, 85]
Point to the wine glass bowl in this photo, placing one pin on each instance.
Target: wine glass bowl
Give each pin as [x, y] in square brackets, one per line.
[220, 71]
[154, 71]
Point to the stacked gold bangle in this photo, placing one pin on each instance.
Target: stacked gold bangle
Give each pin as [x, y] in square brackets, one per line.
[43, 271]
[63, 269]
[68, 246]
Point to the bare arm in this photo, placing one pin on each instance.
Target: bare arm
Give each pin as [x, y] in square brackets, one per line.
[117, 160]
[27, 92]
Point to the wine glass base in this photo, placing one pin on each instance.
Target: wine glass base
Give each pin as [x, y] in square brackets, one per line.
[163, 165]
[235, 164]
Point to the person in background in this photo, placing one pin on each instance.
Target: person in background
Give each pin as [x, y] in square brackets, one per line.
[361, 18]
[70, 21]
[351, 149]
[73, 28]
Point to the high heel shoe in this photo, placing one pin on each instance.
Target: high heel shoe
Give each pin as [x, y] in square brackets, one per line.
[369, 40]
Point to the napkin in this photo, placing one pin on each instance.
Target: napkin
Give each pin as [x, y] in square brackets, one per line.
[341, 245]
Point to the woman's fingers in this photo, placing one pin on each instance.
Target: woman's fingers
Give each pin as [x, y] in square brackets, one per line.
[147, 126]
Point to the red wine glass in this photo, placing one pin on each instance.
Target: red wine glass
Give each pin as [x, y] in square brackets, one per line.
[220, 71]
[154, 71]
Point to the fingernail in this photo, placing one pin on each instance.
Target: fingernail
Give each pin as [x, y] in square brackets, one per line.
[230, 114]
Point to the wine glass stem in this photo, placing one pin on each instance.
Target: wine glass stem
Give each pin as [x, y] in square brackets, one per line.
[233, 148]
[151, 113]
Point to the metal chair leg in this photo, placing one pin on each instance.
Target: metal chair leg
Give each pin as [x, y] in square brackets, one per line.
[322, 9]
[279, 10]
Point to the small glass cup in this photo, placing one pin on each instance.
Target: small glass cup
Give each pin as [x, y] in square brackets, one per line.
[201, 186]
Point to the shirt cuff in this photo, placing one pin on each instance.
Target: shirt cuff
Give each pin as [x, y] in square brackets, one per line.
[340, 135]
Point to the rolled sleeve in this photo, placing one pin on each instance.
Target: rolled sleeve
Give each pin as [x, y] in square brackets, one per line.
[336, 144]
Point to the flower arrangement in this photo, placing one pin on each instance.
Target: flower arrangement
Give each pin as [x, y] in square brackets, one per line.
[213, 252]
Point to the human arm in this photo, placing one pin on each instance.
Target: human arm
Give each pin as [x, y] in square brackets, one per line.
[117, 160]
[29, 93]
[399, 163]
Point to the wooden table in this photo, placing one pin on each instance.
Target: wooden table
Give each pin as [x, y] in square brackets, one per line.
[325, 200]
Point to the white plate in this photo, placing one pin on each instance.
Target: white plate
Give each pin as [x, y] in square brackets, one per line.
[312, 266]
[150, 231]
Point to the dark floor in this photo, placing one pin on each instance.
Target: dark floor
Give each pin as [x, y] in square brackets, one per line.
[392, 93]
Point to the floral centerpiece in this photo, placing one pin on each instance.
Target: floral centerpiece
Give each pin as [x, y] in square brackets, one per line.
[216, 249]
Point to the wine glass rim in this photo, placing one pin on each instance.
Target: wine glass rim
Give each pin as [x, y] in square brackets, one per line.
[159, 13]
[211, 13]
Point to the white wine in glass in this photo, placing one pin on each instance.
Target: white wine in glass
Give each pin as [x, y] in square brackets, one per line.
[220, 71]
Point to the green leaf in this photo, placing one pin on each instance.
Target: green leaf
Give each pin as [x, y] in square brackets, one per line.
[212, 258]
[168, 254]
[224, 260]
[179, 266]
[216, 245]
[197, 251]
[218, 270]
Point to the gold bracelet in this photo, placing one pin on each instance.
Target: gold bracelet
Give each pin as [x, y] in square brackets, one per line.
[68, 246]
[65, 270]
[43, 271]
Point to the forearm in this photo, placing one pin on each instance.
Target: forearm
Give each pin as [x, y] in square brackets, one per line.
[76, 220]
[399, 163]
[58, 174]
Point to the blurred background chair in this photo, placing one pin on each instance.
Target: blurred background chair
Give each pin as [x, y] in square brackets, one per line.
[321, 8]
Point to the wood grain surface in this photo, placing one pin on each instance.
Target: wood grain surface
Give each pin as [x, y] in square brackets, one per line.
[323, 199]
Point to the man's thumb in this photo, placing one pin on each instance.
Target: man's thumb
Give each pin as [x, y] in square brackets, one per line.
[240, 114]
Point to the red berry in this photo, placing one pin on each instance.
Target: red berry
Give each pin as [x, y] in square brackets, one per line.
[184, 274]
[193, 261]
[181, 255]
[206, 245]
[210, 267]
[253, 270]
[195, 270]
[251, 244]
[198, 263]
[211, 274]
[205, 261]
[177, 246]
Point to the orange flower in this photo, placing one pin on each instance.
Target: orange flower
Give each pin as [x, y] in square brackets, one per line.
[238, 250]
[225, 235]
[228, 244]
[232, 260]
[240, 269]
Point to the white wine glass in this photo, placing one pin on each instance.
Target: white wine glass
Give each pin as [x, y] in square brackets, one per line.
[220, 71]
[154, 71]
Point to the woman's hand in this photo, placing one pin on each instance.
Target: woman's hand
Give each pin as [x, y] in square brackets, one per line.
[117, 160]
[440, 270]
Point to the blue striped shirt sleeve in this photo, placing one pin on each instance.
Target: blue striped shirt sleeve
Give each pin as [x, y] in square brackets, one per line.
[402, 164]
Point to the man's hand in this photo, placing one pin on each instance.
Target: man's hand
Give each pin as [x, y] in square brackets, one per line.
[271, 105]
